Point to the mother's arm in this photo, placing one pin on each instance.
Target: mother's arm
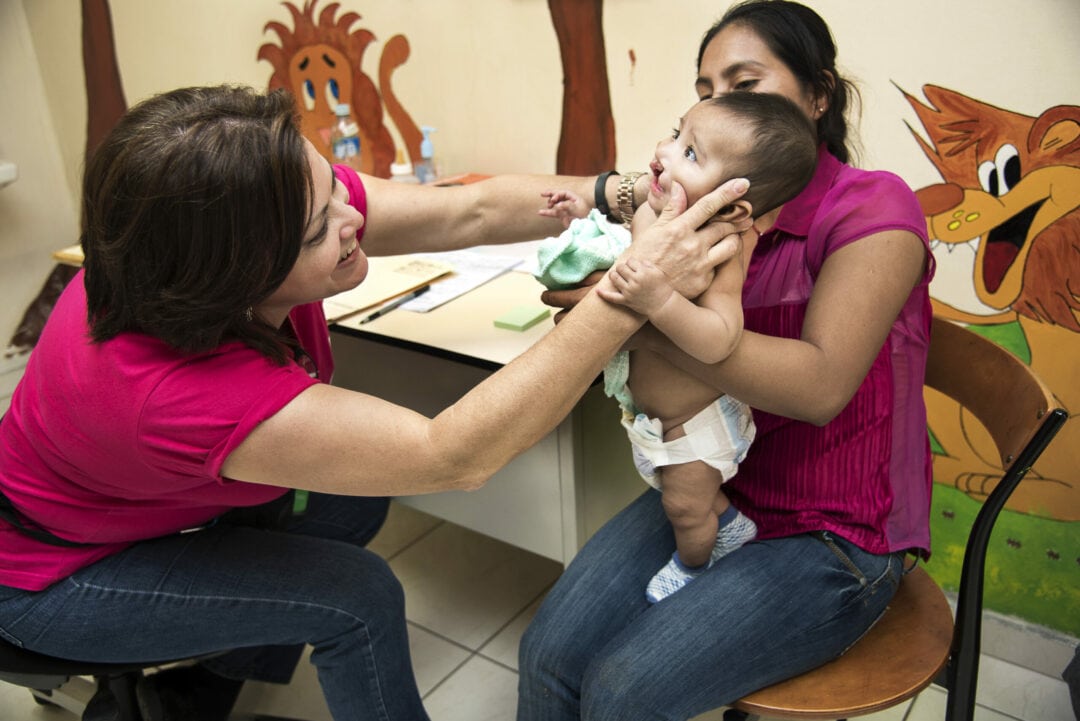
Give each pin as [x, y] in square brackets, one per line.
[857, 298]
[338, 441]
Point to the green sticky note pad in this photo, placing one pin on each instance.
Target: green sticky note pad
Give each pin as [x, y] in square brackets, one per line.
[522, 318]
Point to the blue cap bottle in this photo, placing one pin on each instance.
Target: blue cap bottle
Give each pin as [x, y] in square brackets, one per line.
[425, 169]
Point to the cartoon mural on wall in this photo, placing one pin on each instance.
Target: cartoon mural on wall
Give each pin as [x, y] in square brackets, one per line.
[1005, 227]
[319, 61]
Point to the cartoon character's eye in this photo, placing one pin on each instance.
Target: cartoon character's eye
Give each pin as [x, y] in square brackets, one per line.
[1000, 176]
[309, 95]
[333, 96]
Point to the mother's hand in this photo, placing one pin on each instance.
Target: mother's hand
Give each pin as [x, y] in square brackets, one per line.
[567, 298]
[688, 243]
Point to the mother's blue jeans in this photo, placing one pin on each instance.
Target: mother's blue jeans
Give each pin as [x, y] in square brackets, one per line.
[597, 650]
[262, 592]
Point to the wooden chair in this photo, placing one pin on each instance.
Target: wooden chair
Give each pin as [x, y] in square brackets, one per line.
[917, 637]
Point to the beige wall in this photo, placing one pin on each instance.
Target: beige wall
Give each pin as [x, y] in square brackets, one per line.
[37, 212]
[487, 73]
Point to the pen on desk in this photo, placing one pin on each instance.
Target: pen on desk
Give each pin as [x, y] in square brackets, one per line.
[390, 305]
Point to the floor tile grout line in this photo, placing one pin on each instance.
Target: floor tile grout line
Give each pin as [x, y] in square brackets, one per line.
[497, 662]
[513, 618]
[444, 679]
[414, 541]
[442, 637]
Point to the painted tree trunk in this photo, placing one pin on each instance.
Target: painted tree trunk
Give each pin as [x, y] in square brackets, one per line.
[587, 138]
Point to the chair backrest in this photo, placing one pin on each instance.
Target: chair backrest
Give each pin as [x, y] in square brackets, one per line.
[1022, 416]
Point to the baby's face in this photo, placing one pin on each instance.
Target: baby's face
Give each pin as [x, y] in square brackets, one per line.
[704, 151]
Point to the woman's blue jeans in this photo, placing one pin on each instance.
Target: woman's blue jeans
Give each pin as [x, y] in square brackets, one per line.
[597, 650]
[261, 592]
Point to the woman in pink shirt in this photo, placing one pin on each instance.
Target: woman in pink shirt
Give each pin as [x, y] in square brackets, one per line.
[182, 383]
[832, 358]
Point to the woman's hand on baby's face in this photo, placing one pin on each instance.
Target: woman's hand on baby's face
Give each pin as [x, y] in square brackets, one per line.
[687, 243]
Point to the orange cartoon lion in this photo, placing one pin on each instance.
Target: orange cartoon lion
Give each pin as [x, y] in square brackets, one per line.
[319, 62]
[1008, 212]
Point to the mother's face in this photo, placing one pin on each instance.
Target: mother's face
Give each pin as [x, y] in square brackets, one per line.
[738, 59]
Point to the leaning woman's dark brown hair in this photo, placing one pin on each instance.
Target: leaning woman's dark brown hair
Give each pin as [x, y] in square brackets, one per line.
[194, 210]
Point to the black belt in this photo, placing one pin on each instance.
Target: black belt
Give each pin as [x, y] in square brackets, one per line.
[8, 513]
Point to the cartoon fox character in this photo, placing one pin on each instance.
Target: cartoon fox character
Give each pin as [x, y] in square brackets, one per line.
[1008, 212]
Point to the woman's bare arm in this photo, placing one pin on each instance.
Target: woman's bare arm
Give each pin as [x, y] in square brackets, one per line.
[334, 440]
[857, 297]
[338, 441]
[502, 209]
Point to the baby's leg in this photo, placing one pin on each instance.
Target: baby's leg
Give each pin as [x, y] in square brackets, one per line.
[690, 491]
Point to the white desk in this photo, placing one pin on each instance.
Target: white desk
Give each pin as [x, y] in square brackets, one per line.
[554, 496]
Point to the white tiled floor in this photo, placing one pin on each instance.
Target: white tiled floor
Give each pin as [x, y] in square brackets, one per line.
[468, 599]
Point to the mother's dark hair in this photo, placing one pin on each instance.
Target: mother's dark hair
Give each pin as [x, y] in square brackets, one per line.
[802, 41]
[194, 210]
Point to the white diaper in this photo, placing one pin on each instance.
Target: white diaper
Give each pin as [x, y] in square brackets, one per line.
[720, 435]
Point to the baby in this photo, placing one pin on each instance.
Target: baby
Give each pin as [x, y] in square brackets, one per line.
[675, 421]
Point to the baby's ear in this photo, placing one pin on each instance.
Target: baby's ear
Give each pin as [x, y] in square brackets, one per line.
[735, 212]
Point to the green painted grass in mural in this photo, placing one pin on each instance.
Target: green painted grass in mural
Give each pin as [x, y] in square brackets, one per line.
[1032, 566]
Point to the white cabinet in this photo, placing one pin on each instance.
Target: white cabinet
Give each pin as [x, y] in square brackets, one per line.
[549, 499]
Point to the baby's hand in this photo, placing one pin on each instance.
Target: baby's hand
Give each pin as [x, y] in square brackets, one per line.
[564, 205]
[639, 285]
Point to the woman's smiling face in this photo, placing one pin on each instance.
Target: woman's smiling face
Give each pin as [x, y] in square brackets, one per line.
[330, 259]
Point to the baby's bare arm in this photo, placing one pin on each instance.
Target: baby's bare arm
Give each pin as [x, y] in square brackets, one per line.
[707, 328]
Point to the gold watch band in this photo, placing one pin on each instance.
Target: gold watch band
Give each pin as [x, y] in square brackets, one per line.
[625, 196]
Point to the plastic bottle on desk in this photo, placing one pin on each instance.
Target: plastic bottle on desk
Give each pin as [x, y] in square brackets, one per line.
[425, 169]
[345, 138]
[401, 170]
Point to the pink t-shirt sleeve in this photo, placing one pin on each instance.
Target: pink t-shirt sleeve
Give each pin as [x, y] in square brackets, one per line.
[357, 193]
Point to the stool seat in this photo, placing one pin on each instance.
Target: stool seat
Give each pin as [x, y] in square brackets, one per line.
[114, 699]
[899, 656]
[916, 638]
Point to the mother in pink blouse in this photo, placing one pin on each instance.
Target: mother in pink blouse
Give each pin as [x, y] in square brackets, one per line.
[837, 318]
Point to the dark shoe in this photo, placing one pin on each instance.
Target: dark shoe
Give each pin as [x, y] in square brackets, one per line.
[186, 693]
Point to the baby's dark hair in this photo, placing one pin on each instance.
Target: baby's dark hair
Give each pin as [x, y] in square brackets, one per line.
[783, 154]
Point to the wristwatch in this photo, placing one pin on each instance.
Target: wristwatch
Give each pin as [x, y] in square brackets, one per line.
[625, 197]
